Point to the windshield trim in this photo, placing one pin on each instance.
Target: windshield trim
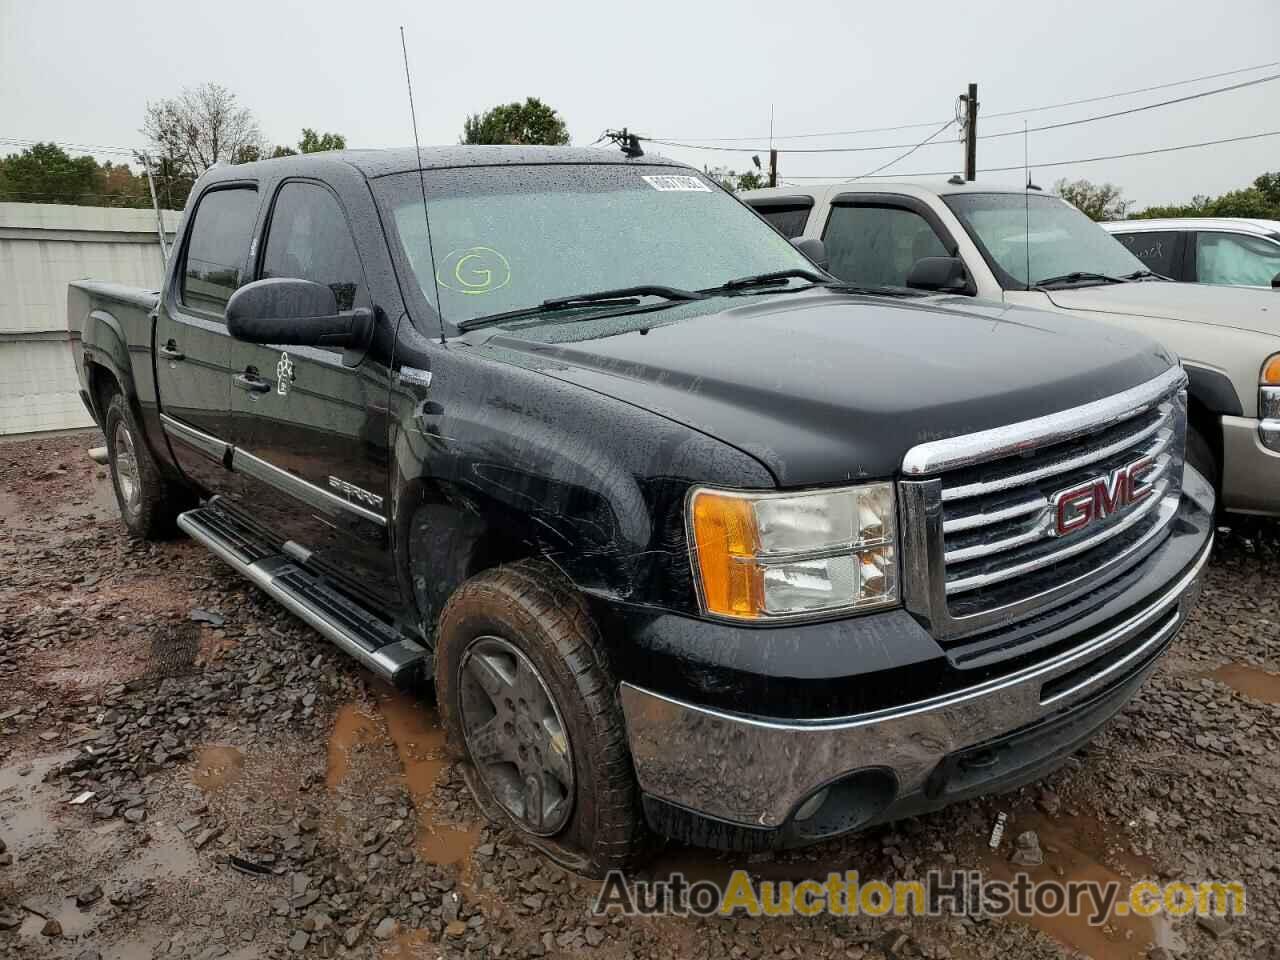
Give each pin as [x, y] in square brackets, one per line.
[1007, 280]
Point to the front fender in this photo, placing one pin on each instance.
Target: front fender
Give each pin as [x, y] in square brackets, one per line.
[494, 462]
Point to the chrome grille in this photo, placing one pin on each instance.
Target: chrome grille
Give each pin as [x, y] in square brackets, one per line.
[982, 530]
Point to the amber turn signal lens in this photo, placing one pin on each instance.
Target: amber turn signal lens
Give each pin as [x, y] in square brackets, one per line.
[724, 529]
[1271, 371]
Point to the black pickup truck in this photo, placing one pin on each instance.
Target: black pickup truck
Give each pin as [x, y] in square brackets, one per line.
[689, 536]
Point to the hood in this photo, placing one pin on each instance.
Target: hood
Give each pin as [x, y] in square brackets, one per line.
[1242, 308]
[827, 388]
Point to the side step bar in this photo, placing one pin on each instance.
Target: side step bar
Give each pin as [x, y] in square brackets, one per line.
[375, 644]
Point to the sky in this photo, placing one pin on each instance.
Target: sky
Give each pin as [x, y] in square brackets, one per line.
[83, 72]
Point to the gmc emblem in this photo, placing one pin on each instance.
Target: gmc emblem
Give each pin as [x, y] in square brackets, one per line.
[1124, 487]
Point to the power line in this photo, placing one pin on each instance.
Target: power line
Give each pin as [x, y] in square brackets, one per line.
[1065, 163]
[77, 147]
[990, 116]
[989, 136]
[905, 155]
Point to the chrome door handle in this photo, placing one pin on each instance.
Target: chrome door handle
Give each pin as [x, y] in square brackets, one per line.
[170, 351]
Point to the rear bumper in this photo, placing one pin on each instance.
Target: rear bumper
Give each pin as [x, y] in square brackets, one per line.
[715, 777]
[1250, 472]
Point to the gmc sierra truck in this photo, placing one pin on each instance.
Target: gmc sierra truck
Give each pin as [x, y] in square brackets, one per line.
[688, 536]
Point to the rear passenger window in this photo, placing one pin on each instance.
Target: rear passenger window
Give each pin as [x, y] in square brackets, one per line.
[789, 220]
[878, 245]
[218, 248]
[309, 240]
[1155, 249]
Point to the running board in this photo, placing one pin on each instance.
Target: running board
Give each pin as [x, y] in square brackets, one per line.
[377, 645]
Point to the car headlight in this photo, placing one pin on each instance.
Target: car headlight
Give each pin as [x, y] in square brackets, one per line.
[1269, 401]
[760, 556]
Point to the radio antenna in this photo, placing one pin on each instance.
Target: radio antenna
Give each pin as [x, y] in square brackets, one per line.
[422, 181]
[1026, 195]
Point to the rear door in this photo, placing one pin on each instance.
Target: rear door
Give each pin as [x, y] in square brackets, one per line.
[310, 423]
[192, 346]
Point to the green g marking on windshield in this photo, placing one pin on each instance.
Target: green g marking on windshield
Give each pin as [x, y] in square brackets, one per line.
[474, 271]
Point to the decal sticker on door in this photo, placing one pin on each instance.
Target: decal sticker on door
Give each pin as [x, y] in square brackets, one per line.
[284, 375]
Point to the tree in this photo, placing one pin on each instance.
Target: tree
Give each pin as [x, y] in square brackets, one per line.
[733, 182]
[203, 126]
[523, 123]
[312, 142]
[1269, 186]
[45, 173]
[1097, 201]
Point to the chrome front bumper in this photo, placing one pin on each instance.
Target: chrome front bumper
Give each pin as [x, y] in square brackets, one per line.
[1250, 471]
[757, 772]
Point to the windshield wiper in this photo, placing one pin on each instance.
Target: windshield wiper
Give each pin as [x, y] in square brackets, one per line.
[1076, 277]
[1145, 275]
[768, 279]
[620, 297]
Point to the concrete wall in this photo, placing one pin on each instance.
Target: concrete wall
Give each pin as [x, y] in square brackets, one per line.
[44, 246]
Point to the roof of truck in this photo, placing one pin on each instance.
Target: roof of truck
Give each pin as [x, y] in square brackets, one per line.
[1261, 228]
[919, 188]
[380, 163]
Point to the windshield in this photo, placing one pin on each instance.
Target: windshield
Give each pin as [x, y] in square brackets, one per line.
[510, 237]
[1062, 240]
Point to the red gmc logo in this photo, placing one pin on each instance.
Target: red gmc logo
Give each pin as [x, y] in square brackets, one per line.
[1101, 497]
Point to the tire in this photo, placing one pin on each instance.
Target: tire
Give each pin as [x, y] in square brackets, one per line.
[494, 628]
[1200, 455]
[147, 503]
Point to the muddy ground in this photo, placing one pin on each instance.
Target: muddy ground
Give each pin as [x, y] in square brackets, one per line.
[188, 771]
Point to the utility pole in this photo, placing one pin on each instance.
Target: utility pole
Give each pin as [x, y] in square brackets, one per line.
[971, 133]
[773, 167]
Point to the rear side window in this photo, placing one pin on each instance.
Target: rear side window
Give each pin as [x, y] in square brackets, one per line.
[309, 239]
[1156, 249]
[218, 248]
[788, 220]
[878, 245]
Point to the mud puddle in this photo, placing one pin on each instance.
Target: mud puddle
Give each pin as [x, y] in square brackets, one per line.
[1249, 681]
[217, 766]
[419, 741]
[1080, 849]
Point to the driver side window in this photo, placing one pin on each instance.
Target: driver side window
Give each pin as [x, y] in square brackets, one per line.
[309, 240]
[878, 245]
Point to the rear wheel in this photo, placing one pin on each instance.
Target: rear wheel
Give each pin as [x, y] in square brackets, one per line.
[528, 704]
[147, 504]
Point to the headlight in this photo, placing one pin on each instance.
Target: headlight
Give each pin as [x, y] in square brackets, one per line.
[786, 555]
[1269, 401]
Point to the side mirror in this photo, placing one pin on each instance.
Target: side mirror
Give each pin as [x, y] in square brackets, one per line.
[1275, 282]
[814, 249]
[945, 274]
[282, 310]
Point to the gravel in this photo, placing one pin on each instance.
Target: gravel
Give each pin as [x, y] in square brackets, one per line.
[250, 799]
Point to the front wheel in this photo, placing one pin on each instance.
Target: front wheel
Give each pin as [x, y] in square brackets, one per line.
[528, 705]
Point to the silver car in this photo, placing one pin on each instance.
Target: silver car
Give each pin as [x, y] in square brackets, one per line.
[1224, 250]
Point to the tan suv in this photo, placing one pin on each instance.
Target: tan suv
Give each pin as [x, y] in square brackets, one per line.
[963, 240]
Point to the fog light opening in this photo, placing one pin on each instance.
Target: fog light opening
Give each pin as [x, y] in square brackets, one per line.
[812, 805]
[847, 804]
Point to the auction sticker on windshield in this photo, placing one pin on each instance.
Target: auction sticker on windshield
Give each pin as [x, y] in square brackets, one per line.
[671, 182]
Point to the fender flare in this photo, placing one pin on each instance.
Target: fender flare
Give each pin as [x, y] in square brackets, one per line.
[1213, 390]
[105, 345]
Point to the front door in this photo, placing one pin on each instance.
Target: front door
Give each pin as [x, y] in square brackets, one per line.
[310, 423]
[192, 347]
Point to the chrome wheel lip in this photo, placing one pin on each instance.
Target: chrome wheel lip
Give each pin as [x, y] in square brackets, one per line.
[128, 478]
[541, 724]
